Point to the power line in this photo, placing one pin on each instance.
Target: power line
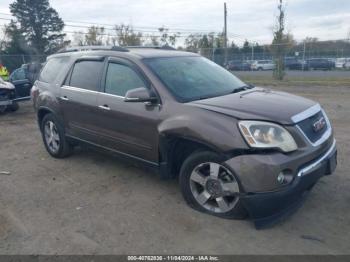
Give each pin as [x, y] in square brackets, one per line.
[183, 34]
[138, 28]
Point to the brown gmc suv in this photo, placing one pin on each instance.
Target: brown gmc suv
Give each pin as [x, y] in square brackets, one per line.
[238, 150]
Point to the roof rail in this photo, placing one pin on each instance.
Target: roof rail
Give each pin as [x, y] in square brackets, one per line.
[90, 48]
[165, 47]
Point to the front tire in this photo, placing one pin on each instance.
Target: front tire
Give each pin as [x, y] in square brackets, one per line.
[209, 186]
[54, 137]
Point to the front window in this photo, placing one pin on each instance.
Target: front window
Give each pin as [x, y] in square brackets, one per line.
[194, 78]
[120, 79]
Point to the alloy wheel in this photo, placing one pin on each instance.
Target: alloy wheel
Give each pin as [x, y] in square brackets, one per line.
[214, 187]
[52, 137]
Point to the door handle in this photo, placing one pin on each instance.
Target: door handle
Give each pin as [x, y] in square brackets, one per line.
[65, 98]
[104, 107]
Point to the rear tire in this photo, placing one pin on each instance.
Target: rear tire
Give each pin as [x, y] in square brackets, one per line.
[209, 186]
[54, 137]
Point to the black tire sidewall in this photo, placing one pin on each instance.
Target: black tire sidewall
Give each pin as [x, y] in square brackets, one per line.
[197, 158]
[14, 107]
[61, 133]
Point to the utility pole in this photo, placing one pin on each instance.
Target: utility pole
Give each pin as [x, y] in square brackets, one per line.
[225, 32]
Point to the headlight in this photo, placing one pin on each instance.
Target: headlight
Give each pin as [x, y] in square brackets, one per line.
[260, 134]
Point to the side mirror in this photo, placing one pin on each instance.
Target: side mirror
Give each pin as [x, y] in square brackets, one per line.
[140, 94]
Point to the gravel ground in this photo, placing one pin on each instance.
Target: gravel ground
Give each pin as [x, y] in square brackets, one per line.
[93, 203]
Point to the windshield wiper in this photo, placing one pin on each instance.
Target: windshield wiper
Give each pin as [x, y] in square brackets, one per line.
[242, 88]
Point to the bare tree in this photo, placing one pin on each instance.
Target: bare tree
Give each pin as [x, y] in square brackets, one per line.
[127, 37]
[78, 38]
[167, 39]
[154, 40]
[278, 46]
[95, 35]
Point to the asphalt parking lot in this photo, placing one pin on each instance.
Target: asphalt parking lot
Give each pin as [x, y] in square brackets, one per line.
[93, 203]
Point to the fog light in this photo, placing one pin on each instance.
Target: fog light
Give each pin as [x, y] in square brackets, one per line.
[281, 178]
[285, 177]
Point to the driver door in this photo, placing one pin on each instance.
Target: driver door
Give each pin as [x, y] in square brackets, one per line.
[129, 128]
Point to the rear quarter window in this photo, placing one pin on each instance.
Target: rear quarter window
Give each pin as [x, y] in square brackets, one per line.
[52, 68]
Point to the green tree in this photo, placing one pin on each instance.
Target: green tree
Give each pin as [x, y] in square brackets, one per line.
[246, 47]
[39, 23]
[16, 43]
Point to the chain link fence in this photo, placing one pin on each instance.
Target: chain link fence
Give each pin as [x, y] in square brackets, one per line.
[222, 55]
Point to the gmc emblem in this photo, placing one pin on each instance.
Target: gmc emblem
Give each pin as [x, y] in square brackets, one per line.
[319, 124]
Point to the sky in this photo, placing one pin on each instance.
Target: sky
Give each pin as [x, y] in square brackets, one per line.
[247, 19]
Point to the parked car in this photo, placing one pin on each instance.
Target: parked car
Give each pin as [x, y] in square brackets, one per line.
[347, 65]
[320, 63]
[295, 64]
[341, 63]
[262, 65]
[24, 77]
[237, 65]
[7, 96]
[238, 150]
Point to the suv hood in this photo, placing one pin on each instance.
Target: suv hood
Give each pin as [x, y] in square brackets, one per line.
[258, 104]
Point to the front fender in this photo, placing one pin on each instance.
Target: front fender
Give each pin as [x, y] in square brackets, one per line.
[214, 130]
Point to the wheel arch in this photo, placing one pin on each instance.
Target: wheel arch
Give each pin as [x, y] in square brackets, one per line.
[43, 111]
[175, 149]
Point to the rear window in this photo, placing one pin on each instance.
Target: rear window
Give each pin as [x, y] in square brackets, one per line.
[86, 75]
[51, 69]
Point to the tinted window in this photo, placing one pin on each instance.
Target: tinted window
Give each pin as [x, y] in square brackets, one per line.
[18, 74]
[51, 69]
[120, 79]
[193, 78]
[86, 75]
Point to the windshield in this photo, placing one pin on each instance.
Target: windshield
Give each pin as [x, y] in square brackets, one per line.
[194, 78]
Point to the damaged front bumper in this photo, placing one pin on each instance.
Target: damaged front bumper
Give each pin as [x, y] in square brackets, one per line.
[271, 206]
[7, 97]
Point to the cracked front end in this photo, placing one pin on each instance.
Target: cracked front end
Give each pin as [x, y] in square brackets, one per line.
[275, 182]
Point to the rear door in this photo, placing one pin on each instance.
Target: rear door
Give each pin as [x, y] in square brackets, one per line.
[78, 98]
[129, 128]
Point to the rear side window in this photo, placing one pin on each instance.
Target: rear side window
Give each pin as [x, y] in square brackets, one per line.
[51, 69]
[120, 79]
[18, 74]
[86, 75]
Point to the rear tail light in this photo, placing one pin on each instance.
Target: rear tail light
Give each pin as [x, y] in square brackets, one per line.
[34, 92]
